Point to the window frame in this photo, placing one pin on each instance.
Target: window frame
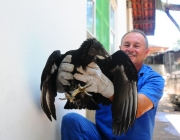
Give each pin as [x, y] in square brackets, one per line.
[90, 34]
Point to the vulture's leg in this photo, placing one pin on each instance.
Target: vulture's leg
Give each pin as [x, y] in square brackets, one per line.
[68, 97]
[81, 89]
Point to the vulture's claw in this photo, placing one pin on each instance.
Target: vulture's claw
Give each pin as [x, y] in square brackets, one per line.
[81, 89]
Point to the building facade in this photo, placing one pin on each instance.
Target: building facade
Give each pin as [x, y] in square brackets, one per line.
[29, 32]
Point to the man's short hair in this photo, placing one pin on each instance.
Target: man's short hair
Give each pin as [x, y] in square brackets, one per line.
[137, 31]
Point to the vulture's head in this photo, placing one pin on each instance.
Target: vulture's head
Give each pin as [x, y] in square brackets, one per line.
[91, 49]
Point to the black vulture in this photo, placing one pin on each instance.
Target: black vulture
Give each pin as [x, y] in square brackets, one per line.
[89, 50]
[118, 68]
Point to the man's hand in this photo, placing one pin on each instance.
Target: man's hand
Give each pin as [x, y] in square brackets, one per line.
[64, 73]
[98, 81]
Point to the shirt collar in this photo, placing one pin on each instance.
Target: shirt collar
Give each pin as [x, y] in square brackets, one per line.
[142, 70]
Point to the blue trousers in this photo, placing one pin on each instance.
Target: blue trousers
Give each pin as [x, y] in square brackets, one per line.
[77, 127]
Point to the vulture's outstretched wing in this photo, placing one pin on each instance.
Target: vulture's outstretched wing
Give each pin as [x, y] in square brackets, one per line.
[124, 104]
[122, 72]
[48, 84]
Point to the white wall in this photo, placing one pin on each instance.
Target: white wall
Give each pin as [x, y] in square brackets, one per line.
[29, 32]
[121, 22]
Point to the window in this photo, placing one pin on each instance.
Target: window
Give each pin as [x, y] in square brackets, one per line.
[90, 18]
[112, 25]
[101, 22]
[112, 30]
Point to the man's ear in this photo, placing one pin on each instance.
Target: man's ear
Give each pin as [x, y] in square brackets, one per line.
[147, 52]
[119, 47]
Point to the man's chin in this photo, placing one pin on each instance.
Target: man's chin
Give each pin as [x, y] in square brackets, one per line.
[132, 58]
[134, 61]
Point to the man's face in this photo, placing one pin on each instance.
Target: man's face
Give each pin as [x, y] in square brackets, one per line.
[133, 44]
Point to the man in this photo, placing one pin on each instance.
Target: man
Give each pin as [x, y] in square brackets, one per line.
[150, 90]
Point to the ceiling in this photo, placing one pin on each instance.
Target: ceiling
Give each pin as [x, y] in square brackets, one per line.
[143, 12]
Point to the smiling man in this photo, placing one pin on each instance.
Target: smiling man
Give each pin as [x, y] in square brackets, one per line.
[150, 90]
[135, 45]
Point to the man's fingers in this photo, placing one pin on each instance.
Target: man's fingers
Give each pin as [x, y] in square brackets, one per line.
[90, 71]
[63, 77]
[92, 88]
[66, 67]
[88, 80]
[67, 59]
[66, 75]
[83, 78]
[93, 65]
[65, 82]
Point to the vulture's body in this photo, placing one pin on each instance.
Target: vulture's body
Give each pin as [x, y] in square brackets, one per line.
[85, 54]
[118, 68]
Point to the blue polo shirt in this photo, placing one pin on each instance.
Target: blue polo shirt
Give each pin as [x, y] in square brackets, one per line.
[151, 84]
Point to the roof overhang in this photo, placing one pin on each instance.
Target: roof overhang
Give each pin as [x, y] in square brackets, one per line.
[143, 13]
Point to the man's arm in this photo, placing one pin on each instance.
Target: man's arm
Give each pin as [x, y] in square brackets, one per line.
[144, 104]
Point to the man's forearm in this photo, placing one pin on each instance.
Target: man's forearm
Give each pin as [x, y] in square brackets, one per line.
[144, 104]
[111, 98]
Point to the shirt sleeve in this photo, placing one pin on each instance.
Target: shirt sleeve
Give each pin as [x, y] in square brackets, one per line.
[153, 87]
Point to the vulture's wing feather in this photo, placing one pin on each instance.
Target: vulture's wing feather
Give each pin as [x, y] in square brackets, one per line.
[124, 105]
[48, 84]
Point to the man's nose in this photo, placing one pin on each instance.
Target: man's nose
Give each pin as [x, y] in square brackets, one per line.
[130, 48]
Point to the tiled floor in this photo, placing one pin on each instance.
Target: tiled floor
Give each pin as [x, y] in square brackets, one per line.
[167, 125]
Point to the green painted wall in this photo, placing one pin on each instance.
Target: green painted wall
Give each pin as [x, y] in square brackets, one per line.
[103, 23]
